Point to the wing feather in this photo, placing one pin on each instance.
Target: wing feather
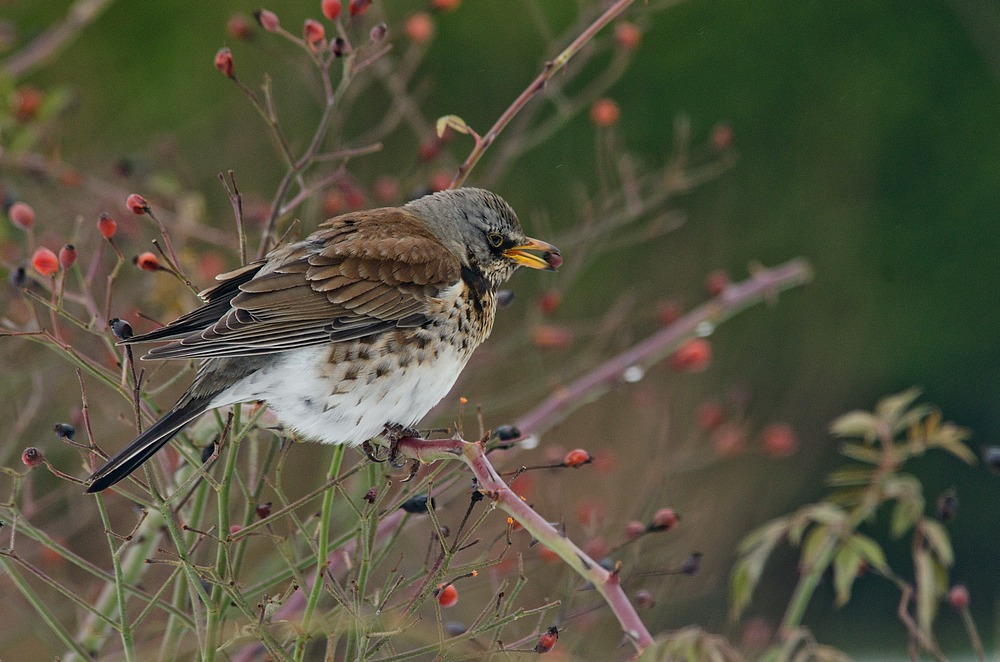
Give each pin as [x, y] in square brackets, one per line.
[358, 275]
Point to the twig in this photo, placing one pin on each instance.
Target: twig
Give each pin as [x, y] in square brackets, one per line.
[765, 284]
[549, 70]
[48, 44]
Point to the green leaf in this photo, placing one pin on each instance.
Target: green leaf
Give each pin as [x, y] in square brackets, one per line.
[846, 564]
[938, 540]
[927, 596]
[817, 541]
[767, 534]
[861, 453]
[856, 425]
[904, 516]
[754, 550]
[825, 513]
[850, 477]
[869, 550]
[891, 408]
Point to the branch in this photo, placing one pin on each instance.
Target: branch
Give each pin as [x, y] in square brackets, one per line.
[49, 43]
[607, 583]
[763, 284]
[548, 71]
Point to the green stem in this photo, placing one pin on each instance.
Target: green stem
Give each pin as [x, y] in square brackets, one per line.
[181, 595]
[322, 551]
[807, 584]
[216, 607]
[42, 609]
[128, 641]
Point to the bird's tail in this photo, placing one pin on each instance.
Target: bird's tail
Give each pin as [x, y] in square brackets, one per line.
[146, 444]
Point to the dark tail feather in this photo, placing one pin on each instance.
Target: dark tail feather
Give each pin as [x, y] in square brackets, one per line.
[146, 444]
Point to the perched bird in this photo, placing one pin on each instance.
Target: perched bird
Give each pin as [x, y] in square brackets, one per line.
[360, 328]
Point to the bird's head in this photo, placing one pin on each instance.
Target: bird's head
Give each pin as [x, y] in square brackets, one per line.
[482, 230]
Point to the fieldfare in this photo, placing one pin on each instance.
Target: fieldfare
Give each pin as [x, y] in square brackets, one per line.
[361, 327]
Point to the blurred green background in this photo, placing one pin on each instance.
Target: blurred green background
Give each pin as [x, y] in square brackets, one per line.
[868, 141]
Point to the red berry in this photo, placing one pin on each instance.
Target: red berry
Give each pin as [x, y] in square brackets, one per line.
[628, 35]
[32, 457]
[546, 554]
[429, 150]
[958, 595]
[267, 19]
[333, 203]
[263, 510]
[330, 9]
[710, 415]
[224, 63]
[634, 529]
[716, 282]
[577, 458]
[692, 356]
[605, 113]
[591, 512]
[669, 312]
[354, 197]
[728, 440]
[445, 5]
[147, 261]
[313, 32]
[67, 256]
[107, 225]
[547, 641]
[550, 301]
[548, 336]
[596, 548]
[722, 137]
[45, 261]
[440, 181]
[27, 102]
[22, 215]
[643, 599]
[359, 7]
[378, 32]
[419, 27]
[137, 204]
[779, 440]
[238, 27]
[447, 595]
[235, 528]
[387, 189]
[664, 519]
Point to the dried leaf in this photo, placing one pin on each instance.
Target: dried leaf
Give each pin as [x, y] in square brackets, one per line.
[453, 122]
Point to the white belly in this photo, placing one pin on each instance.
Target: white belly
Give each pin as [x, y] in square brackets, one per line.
[335, 403]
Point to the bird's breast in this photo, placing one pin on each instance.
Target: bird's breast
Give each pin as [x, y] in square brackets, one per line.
[347, 392]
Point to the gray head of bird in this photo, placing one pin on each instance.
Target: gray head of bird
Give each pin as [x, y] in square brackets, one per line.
[482, 230]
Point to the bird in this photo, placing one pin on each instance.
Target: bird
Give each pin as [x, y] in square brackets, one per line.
[356, 331]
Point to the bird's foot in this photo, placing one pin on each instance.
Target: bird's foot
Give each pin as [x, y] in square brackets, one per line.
[393, 433]
[371, 453]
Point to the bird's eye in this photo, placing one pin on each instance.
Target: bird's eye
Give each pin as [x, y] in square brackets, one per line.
[495, 239]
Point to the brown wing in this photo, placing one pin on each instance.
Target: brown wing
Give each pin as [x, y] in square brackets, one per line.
[359, 274]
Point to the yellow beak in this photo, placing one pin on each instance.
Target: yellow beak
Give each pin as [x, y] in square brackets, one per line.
[550, 260]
